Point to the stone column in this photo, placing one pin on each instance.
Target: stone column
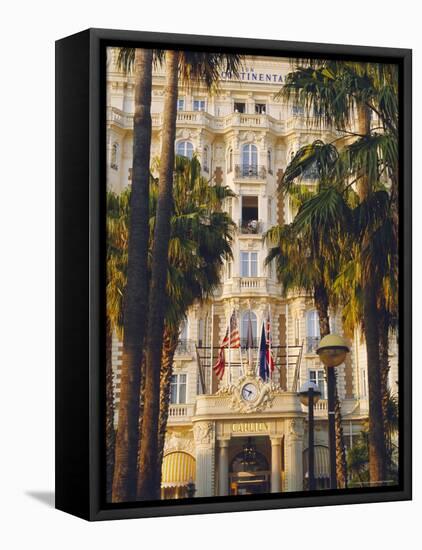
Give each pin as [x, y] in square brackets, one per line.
[223, 467]
[294, 458]
[204, 447]
[275, 464]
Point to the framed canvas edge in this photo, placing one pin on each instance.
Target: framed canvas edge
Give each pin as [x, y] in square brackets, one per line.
[97, 511]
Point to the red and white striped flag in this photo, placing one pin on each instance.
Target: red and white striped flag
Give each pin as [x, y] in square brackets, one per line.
[230, 340]
[270, 361]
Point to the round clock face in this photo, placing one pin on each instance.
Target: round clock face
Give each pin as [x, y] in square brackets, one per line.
[249, 392]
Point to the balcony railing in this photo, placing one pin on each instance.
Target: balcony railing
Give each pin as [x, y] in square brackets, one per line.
[185, 347]
[312, 343]
[250, 171]
[180, 412]
[251, 227]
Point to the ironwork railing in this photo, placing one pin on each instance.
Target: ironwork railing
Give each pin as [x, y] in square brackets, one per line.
[185, 347]
[312, 343]
[250, 171]
[252, 227]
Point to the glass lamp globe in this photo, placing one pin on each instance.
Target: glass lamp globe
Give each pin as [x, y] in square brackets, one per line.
[304, 393]
[332, 350]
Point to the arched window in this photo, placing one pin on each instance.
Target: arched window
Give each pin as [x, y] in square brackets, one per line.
[114, 161]
[269, 162]
[184, 149]
[205, 160]
[244, 327]
[312, 330]
[230, 160]
[249, 160]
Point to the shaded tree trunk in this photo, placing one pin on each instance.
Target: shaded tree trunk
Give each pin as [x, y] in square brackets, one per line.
[369, 295]
[383, 327]
[136, 293]
[110, 432]
[171, 339]
[149, 473]
[321, 304]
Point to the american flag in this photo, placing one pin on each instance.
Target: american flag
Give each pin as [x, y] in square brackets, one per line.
[230, 340]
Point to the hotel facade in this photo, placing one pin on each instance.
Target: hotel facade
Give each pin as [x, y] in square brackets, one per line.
[242, 435]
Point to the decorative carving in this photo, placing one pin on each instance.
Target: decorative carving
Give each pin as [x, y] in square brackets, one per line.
[266, 392]
[296, 428]
[176, 441]
[203, 432]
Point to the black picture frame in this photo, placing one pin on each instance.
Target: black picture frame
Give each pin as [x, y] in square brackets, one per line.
[80, 206]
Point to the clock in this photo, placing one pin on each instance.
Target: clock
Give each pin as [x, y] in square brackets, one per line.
[249, 392]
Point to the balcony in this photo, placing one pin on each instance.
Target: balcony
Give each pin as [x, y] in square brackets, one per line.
[180, 413]
[250, 171]
[185, 347]
[312, 343]
[251, 227]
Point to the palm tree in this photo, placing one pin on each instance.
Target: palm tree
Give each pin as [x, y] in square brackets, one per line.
[136, 290]
[193, 68]
[306, 253]
[117, 235]
[334, 91]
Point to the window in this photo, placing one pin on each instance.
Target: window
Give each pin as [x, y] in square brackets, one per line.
[249, 160]
[297, 331]
[269, 162]
[249, 264]
[184, 149]
[199, 104]
[181, 104]
[205, 160]
[260, 108]
[178, 388]
[250, 218]
[239, 107]
[297, 110]
[318, 378]
[114, 161]
[201, 333]
[312, 331]
[230, 160]
[364, 391]
[244, 327]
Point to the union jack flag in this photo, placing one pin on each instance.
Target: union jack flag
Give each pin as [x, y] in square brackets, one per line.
[230, 340]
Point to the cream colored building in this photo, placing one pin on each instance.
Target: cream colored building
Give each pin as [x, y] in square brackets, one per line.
[244, 137]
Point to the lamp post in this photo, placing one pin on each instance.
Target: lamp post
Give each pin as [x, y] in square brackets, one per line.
[309, 395]
[332, 351]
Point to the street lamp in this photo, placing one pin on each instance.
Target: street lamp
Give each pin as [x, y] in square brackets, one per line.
[332, 351]
[309, 395]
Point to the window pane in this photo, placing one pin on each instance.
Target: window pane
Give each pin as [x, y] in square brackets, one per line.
[173, 389]
[244, 264]
[254, 264]
[182, 388]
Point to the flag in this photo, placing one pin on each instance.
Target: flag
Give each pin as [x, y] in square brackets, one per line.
[249, 335]
[270, 359]
[230, 340]
[266, 365]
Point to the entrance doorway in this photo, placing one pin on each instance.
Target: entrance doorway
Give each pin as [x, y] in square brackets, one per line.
[249, 470]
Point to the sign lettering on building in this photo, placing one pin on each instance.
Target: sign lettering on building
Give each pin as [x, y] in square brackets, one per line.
[249, 427]
[250, 75]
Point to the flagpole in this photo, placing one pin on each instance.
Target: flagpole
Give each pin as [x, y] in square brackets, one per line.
[230, 353]
[287, 341]
[250, 343]
[269, 341]
[257, 355]
[212, 344]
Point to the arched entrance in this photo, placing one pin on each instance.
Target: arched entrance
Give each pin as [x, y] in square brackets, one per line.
[178, 471]
[249, 471]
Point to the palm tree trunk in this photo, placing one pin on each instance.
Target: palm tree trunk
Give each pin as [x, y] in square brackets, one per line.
[110, 433]
[321, 304]
[136, 293]
[149, 484]
[171, 338]
[383, 328]
[370, 293]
